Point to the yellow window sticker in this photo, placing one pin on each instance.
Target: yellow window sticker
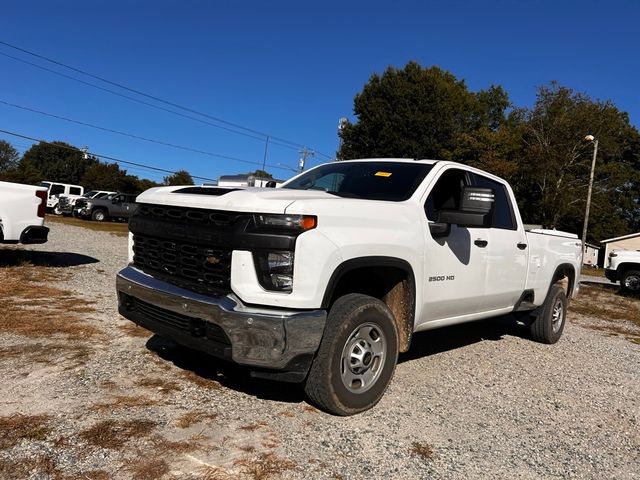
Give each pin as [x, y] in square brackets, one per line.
[383, 174]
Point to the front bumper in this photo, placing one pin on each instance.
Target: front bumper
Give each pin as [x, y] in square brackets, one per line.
[281, 341]
[612, 275]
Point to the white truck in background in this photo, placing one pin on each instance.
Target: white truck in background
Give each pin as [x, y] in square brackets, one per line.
[67, 203]
[326, 279]
[55, 190]
[22, 211]
[624, 266]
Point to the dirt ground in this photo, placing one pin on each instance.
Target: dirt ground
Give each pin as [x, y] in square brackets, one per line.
[87, 395]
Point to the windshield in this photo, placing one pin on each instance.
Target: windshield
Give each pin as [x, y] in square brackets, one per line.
[90, 194]
[394, 181]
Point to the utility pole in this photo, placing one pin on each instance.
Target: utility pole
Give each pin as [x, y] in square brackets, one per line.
[341, 124]
[264, 159]
[589, 138]
[305, 152]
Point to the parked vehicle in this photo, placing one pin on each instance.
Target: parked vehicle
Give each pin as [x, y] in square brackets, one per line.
[326, 279]
[55, 189]
[22, 211]
[116, 205]
[67, 203]
[624, 266]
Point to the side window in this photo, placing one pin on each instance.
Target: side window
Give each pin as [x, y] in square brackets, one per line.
[446, 193]
[502, 211]
[56, 189]
[74, 190]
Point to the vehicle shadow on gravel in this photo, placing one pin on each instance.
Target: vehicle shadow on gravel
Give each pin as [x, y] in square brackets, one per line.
[15, 258]
[458, 336]
[227, 374]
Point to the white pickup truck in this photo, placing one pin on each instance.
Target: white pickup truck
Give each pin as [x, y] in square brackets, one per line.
[624, 266]
[326, 279]
[22, 211]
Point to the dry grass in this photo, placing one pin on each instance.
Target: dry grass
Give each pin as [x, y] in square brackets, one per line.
[42, 466]
[117, 228]
[620, 312]
[160, 384]
[252, 427]
[264, 466]
[124, 401]
[144, 468]
[422, 450]
[593, 272]
[132, 330]
[71, 355]
[15, 428]
[191, 418]
[198, 380]
[29, 306]
[113, 434]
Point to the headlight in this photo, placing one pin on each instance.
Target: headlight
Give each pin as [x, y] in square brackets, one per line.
[275, 270]
[285, 222]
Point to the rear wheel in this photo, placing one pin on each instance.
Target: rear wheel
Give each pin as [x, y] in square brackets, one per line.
[356, 358]
[57, 210]
[548, 323]
[631, 281]
[99, 215]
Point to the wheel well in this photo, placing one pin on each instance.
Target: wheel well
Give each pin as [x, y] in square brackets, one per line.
[393, 284]
[565, 276]
[624, 267]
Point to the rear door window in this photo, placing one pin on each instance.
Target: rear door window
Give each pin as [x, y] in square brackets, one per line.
[503, 216]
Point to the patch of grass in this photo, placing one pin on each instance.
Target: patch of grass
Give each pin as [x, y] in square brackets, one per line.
[29, 306]
[620, 312]
[113, 434]
[191, 418]
[120, 229]
[159, 384]
[198, 380]
[124, 401]
[15, 428]
[132, 330]
[422, 450]
[144, 468]
[69, 354]
[252, 427]
[94, 475]
[264, 466]
[43, 466]
[593, 272]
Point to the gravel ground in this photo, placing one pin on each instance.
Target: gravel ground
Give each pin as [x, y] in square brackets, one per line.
[473, 401]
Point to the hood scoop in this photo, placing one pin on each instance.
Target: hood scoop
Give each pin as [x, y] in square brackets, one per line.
[214, 191]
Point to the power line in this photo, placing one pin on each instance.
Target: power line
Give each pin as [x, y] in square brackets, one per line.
[131, 135]
[98, 155]
[273, 139]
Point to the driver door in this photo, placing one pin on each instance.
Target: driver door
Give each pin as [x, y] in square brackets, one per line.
[455, 264]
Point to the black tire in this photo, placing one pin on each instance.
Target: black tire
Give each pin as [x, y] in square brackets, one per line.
[630, 281]
[99, 215]
[548, 323]
[56, 210]
[352, 320]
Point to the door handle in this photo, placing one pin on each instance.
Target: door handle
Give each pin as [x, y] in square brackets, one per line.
[481, 243]
[522, 246]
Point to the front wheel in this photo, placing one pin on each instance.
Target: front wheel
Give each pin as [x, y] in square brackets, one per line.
[356, 358]
[548, 323]
[630, 281]
[99, 215]
[56, 210]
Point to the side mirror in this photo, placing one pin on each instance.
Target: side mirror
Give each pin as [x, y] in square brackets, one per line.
[476, 209]
[270, 184]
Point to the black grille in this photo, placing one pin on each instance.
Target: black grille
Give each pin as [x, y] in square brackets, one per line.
[81, 202]
[216, 218]
[202, 269]
[194, 327]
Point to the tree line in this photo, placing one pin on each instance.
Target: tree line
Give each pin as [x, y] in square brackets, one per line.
[418, 112]
[61, 162]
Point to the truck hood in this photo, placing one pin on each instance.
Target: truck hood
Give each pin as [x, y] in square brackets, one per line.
[261, 200]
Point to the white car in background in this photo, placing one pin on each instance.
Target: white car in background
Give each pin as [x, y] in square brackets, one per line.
[624, 266]
[22, 211]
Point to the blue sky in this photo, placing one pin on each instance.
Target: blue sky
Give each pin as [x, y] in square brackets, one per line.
[289, 69]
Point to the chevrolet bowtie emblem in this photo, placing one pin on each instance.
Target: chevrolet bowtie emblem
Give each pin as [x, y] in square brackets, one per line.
[213, 260]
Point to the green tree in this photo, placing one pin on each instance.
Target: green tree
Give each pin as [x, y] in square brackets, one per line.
[58, 161]
[9, 157]
[261, 174]
[418, 112]
[181, 177]
[556, 161]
